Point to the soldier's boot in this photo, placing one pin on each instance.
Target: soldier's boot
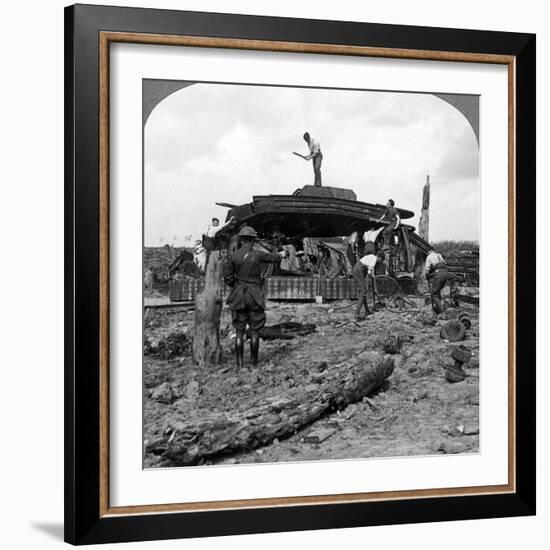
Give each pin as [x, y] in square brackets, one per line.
[254, 347]
[362, 302]
[367, 309]
[358, 308]
[239, 348]
[437, 305]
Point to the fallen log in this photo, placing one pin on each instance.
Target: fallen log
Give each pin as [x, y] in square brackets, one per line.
[191, 438]
[189, 304]
[286, 331]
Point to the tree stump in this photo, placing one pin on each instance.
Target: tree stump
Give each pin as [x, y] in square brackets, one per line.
[208, 306]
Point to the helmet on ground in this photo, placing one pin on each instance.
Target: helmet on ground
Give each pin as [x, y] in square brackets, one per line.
[247, 231]
[453, 330]
[454, 374]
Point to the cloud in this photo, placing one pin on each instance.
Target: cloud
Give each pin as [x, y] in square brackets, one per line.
[224, 143]
[461, 159]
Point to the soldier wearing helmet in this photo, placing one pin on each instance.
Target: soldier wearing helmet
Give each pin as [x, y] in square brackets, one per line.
[246, 299]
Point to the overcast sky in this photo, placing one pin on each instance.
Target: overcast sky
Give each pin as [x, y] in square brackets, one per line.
[212, 143]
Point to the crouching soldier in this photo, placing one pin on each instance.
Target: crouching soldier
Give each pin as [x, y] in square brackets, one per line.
[246, 299]
[436, 273]
[363, 273]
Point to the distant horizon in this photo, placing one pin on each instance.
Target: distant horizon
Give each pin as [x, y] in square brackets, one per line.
[343, 236]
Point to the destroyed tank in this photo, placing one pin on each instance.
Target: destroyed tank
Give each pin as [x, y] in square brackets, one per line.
[313, 225]
[315, 212]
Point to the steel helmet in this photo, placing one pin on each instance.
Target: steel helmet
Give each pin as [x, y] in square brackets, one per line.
[247, 231]
[454, 331]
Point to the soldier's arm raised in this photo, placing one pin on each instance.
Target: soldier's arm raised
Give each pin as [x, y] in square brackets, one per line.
[272, 257]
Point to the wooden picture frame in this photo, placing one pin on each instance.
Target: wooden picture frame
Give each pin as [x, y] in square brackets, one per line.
[89, 32]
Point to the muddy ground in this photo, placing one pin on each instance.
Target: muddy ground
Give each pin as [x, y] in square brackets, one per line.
[416, 412]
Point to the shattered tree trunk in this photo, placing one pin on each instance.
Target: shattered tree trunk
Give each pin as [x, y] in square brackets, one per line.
[423, 229]
[424, 224]
[190, 439]
[208, 306]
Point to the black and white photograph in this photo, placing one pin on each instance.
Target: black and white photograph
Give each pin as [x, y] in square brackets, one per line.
[310, 273]
[275, 275]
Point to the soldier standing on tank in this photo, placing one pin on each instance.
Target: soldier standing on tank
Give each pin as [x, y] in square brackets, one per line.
[391, 215]
[246, 299]
[316, 157]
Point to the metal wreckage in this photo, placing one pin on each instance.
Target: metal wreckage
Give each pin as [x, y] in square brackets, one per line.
[313, 225]
[196, 414]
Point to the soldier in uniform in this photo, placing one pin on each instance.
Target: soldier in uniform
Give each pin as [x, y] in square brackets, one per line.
[436, 272]
[363, 273]
[316, 157]
[391, 215]
[246, 299]
[355, 249]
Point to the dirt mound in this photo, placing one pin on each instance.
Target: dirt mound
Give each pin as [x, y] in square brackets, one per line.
[406, 416]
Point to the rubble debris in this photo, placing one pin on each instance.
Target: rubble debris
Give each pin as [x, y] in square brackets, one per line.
[421, 398]
[187, 305]
[455, 431]
[426, 318]
[464, 318]
[461, 430]
[371, 404]
[159, 265]
[393, 343]
[163, 393]
[471, 430]
[192, 389]
[286, 331]
[452, 447]
[474, 300]
[322, 366]
[453, 331]
[319, 435]
[351, 410]
[455, 373]
[200, 433]
[150, 347]
[461, 354]
[167, 347]
[173, 345]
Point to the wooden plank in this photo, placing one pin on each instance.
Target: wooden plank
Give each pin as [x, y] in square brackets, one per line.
[319, 435]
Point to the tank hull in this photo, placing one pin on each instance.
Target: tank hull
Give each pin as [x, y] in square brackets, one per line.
[312, 214]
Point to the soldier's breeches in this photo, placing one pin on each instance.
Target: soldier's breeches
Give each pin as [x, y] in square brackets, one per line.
[359, 273]
[317, 161]
[253, 318]
[438, 282]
